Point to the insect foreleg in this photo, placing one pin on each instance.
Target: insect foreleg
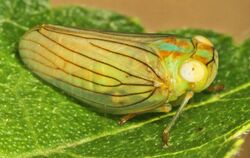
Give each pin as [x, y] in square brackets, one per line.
[165, 135]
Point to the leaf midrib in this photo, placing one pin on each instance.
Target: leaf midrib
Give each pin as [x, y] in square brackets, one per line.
[47, 151]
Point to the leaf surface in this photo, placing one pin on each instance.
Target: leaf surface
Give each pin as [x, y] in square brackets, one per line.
[38, 120]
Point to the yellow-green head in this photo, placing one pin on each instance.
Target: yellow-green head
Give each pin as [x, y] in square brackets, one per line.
[192, 63]
[201, 68]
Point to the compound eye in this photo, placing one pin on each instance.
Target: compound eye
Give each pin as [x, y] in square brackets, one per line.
[193, 71]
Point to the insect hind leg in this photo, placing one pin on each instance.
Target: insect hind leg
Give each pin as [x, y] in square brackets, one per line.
[125, 118]
[164, 108]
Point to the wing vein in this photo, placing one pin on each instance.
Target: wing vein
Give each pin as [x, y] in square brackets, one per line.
[93, 58]
[66, 32]
[111, 51]
[116, 85]
[57, 78]
[72, 62]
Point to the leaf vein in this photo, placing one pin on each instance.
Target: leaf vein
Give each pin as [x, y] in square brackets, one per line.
[134, 126]
[14, 23]
[238, 132]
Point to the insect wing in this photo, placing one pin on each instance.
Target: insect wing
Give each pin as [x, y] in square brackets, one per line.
[114, 72]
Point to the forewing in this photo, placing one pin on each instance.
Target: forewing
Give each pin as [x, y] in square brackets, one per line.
[113, 72]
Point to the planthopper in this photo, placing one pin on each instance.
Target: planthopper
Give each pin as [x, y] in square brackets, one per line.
[118, 73]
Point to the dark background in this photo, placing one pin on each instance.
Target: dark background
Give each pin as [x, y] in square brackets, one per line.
[231, 17]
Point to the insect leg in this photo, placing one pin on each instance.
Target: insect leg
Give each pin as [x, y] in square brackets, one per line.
[165, 135]
[216, 88]
[125, 118]
[164, 108]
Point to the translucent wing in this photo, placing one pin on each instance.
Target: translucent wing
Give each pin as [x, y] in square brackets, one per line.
[117, 73]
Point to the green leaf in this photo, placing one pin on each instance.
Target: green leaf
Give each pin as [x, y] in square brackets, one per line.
[38, 120]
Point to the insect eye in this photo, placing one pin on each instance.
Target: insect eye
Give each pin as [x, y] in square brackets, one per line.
[193, 71]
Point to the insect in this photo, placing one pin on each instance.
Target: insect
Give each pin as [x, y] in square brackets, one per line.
[120, 73]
